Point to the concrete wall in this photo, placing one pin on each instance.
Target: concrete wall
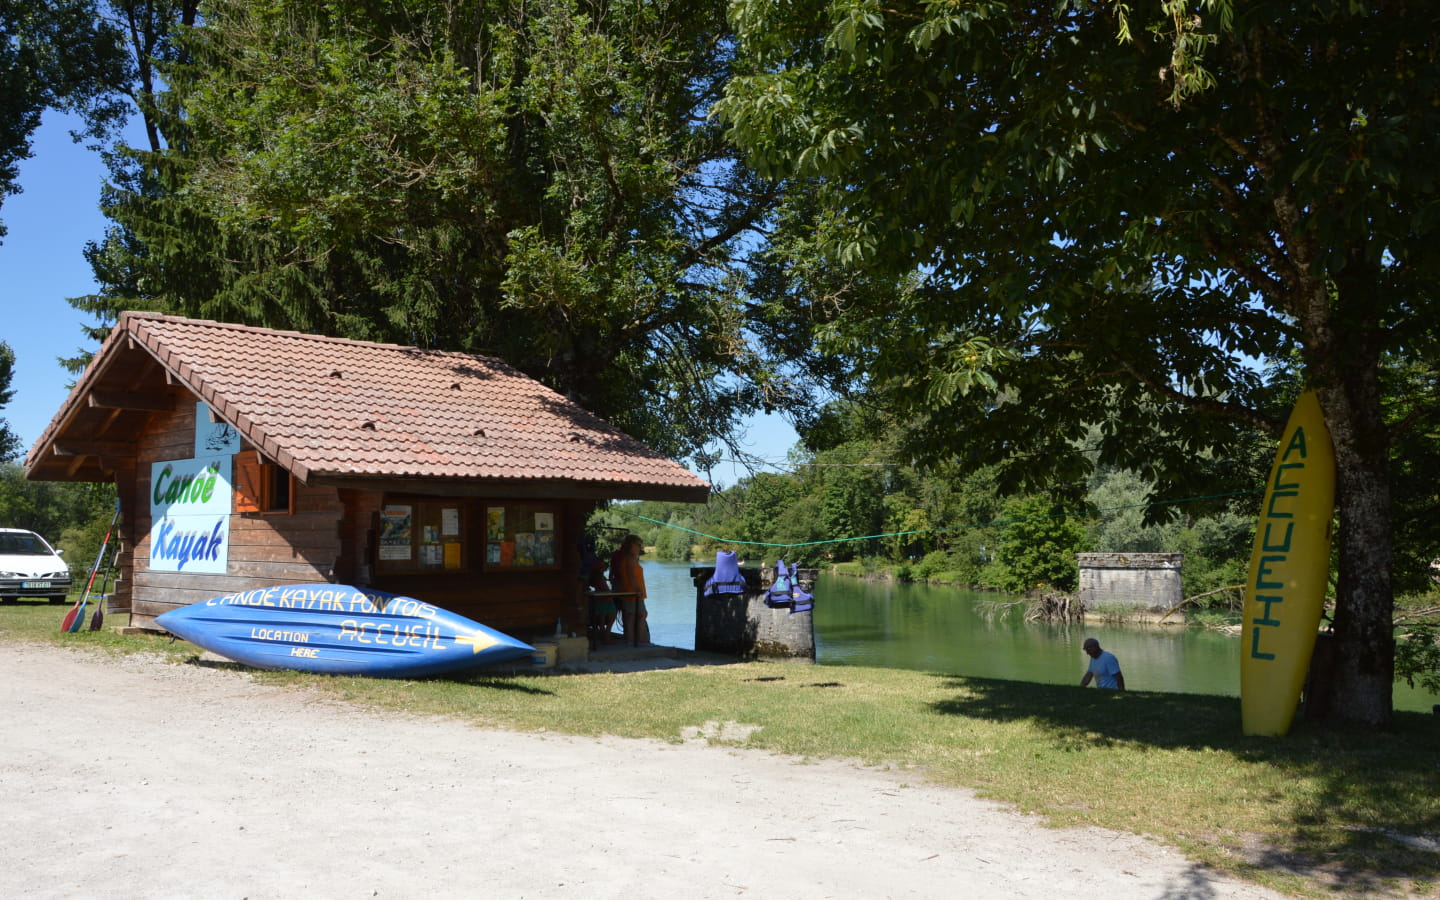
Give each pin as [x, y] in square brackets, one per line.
[1142, 581]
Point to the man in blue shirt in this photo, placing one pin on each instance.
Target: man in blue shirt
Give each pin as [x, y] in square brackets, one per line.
[1104, 668]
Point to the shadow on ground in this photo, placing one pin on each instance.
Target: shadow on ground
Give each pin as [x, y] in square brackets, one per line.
[1370, 822]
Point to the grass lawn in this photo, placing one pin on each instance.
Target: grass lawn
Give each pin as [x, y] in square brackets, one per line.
[1317, 813]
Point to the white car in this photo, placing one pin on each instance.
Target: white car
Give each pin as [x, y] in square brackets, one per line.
[30, 567]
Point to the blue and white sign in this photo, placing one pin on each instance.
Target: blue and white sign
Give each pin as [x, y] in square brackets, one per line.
[190, 503]
[211, 437]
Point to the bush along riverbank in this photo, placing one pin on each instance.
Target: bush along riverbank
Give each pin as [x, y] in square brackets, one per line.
[1217, 608]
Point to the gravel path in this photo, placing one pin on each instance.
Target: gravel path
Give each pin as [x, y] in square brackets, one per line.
[134, 778]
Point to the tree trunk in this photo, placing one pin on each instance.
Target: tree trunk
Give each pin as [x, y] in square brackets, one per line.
[1364, 634]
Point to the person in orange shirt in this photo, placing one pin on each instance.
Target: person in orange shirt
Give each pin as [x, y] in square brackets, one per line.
[626, 575]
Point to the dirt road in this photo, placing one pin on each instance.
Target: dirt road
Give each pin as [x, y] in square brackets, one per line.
[133, 778]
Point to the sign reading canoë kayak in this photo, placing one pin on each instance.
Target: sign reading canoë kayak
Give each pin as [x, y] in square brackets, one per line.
[190, 515]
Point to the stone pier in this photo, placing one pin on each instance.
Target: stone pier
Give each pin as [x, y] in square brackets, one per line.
[1147, 582]
[741, 625]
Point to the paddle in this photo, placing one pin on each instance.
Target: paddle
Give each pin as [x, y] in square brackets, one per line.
[97, 618]
[68, 623]
[76, 616]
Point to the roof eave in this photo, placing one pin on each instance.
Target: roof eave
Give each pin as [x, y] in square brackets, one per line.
[506, 488]
[118, 341]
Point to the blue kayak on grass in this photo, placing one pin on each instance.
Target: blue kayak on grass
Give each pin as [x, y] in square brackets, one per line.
[336, 629]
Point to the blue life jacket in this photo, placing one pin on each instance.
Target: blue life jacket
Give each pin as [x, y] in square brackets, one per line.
[786, 591]
[781, 588]
[727, 578]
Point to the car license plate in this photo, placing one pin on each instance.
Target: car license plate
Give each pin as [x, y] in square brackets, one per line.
[34, 584]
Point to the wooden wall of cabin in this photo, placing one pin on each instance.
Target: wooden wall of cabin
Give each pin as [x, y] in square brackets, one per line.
[118, 593]
[265, 548]
[332, 536]
[356, 563]
[522, 602]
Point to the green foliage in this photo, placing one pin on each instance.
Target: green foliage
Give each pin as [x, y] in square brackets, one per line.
[72, 516]
[1215, 547]
[941, 525]
[970, 552]
[538, 183]
[1217, 556]
[9, 440]
[935, 563]
[910, 524]
[851, 506]
[55, 54]
[767, 497]
[675, 542]
[1119, 498]
[1127, 247]
[1038, 546]
[1412, 389]
[1417, 656]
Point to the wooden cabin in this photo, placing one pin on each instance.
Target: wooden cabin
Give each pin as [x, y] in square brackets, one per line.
[247, 457]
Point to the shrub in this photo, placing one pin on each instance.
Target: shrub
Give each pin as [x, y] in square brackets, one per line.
[933, 562]
[1417, 656]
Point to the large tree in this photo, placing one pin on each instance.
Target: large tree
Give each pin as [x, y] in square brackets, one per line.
[533, 180]
[1115, 231]
[54, 54]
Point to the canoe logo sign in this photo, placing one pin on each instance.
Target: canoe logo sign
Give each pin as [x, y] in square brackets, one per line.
[190, 515]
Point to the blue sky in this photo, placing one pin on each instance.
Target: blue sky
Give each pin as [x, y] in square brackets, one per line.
[42, 263]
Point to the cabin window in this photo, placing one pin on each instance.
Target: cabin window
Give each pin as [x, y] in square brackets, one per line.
[422, 536]
[521, 536]
[261, 486]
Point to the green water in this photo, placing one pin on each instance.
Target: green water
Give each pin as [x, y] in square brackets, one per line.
[941, 629]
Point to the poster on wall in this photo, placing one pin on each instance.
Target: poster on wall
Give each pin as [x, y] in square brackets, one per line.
[525, 548]
[395, 525]
[190, 515]
[495, 523]
[431, 553]
[213, 438]
[544, 548]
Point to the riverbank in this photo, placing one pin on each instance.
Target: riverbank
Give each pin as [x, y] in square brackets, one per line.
[1315, 814]
[211, 781]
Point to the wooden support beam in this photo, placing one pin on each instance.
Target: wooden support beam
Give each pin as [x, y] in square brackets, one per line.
[131, 400]
[93, 448]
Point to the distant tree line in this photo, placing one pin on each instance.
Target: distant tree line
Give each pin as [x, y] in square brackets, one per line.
[72, 516]
[856, 503]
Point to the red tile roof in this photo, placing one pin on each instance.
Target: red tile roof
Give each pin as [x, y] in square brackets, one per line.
[335, 408]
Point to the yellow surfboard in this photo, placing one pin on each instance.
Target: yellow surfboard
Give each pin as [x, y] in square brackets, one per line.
[1289, 568]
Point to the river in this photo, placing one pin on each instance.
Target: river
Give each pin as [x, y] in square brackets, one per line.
[944, 629]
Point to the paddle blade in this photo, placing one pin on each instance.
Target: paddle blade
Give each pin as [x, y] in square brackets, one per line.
[79, 621]
[97, 619]
[68, 623]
